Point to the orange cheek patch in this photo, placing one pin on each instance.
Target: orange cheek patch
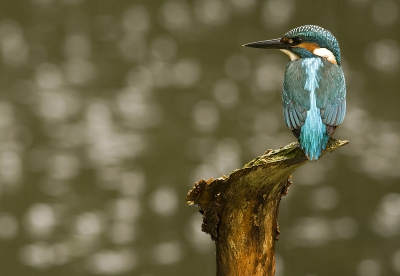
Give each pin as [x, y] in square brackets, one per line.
[308, 46]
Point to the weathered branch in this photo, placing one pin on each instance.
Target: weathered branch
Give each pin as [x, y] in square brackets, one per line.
[240, 210]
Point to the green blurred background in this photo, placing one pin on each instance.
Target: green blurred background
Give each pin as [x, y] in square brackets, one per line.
[111, 110]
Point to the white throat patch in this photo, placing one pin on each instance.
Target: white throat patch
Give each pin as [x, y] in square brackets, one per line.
[326, 54]
[291, 55]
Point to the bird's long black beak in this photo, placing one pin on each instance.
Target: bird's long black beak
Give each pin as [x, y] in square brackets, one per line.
[269, 44]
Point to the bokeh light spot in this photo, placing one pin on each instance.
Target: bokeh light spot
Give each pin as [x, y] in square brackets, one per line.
[396, 261]
[385, 12]
[386, 221]
[136, 19]
[226, 92]
[39, 255]
[311, 232]
[109, 262]
[243, 5]
[369, 267]
[89, 224]
[164, 201]
[166, 253]
[206, 116]
[325, 198]
[40, 220]
[213, 12]
[49, 76]
[384, 55]
[199, 239]
[176, 16]
[277, 13]
[187, 72]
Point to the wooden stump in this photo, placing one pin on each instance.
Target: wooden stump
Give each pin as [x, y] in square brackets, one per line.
[240, 211]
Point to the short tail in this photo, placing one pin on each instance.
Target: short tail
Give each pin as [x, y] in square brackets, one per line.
[313, 136]
[313, 144]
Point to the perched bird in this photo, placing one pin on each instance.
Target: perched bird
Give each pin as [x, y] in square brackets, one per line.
[314, 91]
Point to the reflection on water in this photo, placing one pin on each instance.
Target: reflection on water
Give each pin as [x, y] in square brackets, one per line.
[110, 111]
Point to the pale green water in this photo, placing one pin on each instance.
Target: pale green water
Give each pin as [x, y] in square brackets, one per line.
[111, 110]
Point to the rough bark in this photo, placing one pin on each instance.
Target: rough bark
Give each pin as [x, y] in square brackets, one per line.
[240, 211]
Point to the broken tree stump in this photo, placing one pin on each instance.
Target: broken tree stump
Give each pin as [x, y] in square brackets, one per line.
[240, 211]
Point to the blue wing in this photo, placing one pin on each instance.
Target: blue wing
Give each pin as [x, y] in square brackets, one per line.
[331, 94]
[296, 100]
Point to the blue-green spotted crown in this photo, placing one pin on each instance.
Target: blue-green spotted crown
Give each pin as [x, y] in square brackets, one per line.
[313, 33]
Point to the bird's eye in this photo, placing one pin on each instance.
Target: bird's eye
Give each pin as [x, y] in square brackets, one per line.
[297, 40]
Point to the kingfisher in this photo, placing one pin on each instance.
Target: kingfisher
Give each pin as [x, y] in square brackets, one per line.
[314, 89]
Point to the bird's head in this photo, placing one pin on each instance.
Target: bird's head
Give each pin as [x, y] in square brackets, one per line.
[303, 42]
